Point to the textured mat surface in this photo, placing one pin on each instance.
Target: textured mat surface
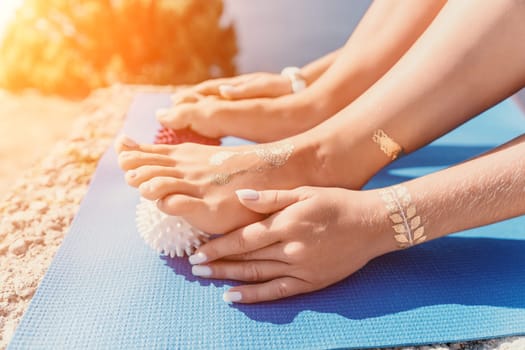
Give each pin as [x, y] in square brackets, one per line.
[106, 289]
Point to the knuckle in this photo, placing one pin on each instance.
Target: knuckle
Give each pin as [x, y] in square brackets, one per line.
[241, 242]
[282, 290]
[253, 272]
[276, 196]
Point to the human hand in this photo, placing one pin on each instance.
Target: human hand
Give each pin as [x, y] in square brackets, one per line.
[256, 119]
[313, 238]
[253, 85]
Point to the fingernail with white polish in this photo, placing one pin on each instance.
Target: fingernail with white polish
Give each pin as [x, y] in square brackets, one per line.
[132, 174]
[251, 195]
[202, 271]
[226, 90]
[126, 141]
[198, 258]
[232, 297]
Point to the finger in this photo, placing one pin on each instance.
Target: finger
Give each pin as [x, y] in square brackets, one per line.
[124, 143]
[273, 252]
[252, 271]
[256, 88]
[135, 177]
[211, 87]
[133, 159]
[160, 187]
[186, 96]
[182, 205]
[267, 202]
[246, 239]
[177, 117]
[272, 290]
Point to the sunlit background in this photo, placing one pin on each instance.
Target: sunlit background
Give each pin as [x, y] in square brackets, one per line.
[7, 9]
[55, 53]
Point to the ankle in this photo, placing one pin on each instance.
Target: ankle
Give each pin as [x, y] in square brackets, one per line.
[345, 161]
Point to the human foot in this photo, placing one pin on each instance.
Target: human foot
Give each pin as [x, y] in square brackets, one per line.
[198, 181]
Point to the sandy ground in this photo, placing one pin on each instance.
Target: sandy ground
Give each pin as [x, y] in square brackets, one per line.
[30, 125]
[49, 149]
[47, 168]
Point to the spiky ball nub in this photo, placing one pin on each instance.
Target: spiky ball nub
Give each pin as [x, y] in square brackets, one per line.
[169, 136]
[166, 234]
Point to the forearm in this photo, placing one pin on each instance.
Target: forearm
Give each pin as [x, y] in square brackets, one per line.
[315, 69]
[385, 33]
[478, 192]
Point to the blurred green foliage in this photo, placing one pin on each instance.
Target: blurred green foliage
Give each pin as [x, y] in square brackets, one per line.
[70, 47]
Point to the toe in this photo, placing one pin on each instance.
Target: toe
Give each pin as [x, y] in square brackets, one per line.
[136, 177]
[182, 205]
[160, 187]
[124, 143]
[133, 159]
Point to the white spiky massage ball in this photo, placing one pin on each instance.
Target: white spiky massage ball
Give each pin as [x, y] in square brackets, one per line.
[168, 235]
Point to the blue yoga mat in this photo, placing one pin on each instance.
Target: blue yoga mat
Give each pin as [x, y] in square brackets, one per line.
[107, 290]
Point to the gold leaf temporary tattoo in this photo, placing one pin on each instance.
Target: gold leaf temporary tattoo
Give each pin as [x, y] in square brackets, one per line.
[389, 147]
[415, 222]
[402, 213]
[396, 218]
[273, 156]
[221, 179]
[411, 211]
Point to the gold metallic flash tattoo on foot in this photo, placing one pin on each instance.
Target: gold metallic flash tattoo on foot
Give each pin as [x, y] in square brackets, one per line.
[407, 225]
[274, 156]
[389, 147]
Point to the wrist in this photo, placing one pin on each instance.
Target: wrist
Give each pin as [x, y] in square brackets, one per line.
[377, 217]
[295, 77]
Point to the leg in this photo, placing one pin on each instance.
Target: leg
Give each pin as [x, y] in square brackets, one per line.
[484, 65]
[384, 34]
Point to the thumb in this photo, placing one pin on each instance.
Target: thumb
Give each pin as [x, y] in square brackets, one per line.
[267, 202]
[174, 117]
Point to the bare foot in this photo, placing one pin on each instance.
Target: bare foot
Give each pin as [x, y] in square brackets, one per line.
[198, 181]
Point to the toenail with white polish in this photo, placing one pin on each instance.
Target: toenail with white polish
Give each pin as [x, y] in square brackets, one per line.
[232, 297]
[198, 258]
[201, 271]
[126, 141]
[247, 194]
